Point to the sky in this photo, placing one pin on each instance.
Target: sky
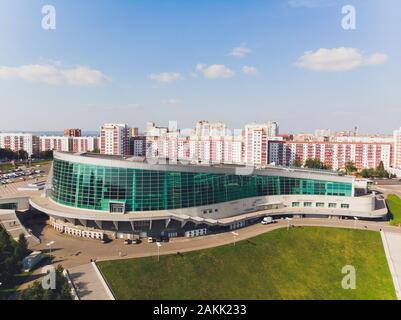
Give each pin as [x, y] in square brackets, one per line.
[236, 61]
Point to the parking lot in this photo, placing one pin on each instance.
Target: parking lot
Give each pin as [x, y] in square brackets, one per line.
[19, 174]
[23, 174]
[11, 180]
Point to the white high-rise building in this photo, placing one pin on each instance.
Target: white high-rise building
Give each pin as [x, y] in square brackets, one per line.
[114, 139]
[322, 134]
[85, 144]
[153, 131]
[20, 141]
[210, 129]
[55, 143]
[397, 149]
[332, 154]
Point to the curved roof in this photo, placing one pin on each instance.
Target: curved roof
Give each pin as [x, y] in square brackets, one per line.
[184, 166]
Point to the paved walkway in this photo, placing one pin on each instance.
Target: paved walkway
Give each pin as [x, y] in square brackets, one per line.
[392, 248]
[89, 283]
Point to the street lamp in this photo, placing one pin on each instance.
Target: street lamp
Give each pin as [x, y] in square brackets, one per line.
[158, 244]
[50, 246]
[288, 222]
[234, 235]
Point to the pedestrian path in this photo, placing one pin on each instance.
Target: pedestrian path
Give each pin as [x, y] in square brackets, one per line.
[11, 188]
[392, 248]
[89, 283]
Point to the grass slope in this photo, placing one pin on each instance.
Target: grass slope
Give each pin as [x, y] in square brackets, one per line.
[302, 263]
[394, 205]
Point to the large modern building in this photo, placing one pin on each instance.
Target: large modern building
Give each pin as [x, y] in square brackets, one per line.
[128, 196]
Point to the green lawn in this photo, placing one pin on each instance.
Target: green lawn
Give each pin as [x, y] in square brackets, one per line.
[9, 166]
[394, 205]
[6, 166]
[302, 263]
[41, 162]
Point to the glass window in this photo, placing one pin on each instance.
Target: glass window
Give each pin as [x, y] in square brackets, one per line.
[94, 187]
[332, 205]
[320, 204]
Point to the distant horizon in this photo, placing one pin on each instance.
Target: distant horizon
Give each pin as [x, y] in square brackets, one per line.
[89, 132]
[291, 61]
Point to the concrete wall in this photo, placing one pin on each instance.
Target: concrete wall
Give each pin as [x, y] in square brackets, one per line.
[22, 202]
[228, 209]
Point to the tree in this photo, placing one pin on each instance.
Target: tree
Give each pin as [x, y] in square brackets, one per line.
[365, 173]
[7, 154]
[47, 155]
[350, 167]
[315, 164]
[381, 172]
[22, 154]
[21, 249]
[9, 264]
[36, 291]
[297, 163]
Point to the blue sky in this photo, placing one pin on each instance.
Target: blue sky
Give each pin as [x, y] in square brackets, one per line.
[224, 60]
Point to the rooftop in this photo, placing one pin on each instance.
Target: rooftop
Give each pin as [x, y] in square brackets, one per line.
[185, 163]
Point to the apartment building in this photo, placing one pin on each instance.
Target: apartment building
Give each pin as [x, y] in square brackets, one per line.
[115, 139]
[20, 141]
[333, 154]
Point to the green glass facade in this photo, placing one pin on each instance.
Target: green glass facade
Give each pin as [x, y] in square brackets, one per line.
[94, 187]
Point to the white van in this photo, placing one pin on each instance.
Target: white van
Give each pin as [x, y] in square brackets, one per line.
[267, 220]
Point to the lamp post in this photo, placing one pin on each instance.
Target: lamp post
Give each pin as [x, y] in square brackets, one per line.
[158, 244]
[50, 246]
[288, 223]
[234, 235]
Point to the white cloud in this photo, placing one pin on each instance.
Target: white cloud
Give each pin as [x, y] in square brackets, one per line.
[165, 77]
[54, 75]
[215, 71]
[171, 102]
[240, 51]
[249, 70]
[338, 59]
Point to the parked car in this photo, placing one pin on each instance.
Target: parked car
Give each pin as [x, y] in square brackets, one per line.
[267, 220]
[163, 239]
[127, 241]
[151, 240]
[105, 240]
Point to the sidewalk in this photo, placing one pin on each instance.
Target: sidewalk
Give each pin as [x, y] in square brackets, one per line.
[392, 248]
[88, 283]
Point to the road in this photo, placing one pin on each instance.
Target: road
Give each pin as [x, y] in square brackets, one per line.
[72, 252]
